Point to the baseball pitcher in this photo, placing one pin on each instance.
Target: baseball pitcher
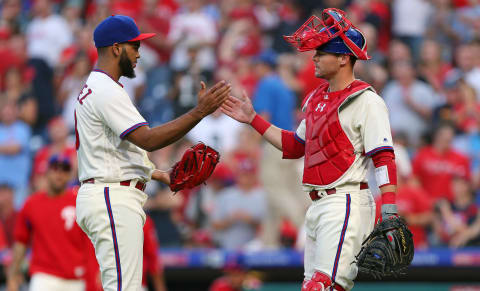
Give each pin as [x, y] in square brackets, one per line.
[111, 141]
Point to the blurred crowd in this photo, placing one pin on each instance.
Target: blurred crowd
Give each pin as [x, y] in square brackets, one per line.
[425, 64]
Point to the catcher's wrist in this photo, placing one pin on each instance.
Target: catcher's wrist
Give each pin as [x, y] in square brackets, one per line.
[260, 124]
[389, 210]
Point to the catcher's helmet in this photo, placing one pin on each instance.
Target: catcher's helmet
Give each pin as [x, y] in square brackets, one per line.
[333, 33]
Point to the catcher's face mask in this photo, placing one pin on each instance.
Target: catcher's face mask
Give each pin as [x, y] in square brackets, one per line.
[333, 33]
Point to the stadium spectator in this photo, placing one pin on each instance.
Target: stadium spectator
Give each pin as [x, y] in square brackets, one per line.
[465, 59]
[435, 165]
[59, 261]
[432, 67]
[8, 213]
[15, 160]
[276, 103]
[241, 207]
[17, 89]
[59, 144]
[71, 87]
[218, 131]
[236, 276]
[193, 29]
[458, 221]
[202, 204]
[48, 34]
[409, 24]
[413, 101]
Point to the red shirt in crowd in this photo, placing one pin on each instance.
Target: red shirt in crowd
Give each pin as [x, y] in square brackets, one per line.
[435, 170]
[414, 200]
[57, 242]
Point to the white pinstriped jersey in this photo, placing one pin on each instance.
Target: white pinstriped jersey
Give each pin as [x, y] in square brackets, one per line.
[366, 123]
[104, 115]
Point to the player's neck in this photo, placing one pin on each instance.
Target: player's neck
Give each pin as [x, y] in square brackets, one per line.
[340, 81]
[111, 69]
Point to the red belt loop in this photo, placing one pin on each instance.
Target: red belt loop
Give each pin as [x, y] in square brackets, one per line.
[314, 193]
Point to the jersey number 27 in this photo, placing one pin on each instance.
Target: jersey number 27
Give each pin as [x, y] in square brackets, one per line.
[80, 98]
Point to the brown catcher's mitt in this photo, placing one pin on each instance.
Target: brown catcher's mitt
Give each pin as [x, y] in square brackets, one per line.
[196, 165]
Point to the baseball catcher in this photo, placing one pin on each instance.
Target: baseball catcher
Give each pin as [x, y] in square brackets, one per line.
[388, 250]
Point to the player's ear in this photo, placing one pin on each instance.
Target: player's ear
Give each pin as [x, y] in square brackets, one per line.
[116, 49]
[344, 60]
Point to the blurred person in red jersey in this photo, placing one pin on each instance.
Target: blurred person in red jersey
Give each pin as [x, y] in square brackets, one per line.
[155, 16]
[435, 165]
[236, 276]
[82, 45]
[59, 144]
[457, 223]
[8, 214]
[414, 203]
[46, 223]
[152, 264]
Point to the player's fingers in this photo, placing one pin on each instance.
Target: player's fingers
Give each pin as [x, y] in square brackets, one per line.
[245, 95]
[217, 86]
[223, 90]
[230, 103]
[227, 106]
[203, 87]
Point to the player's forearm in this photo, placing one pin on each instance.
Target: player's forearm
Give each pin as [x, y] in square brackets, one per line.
[151, 139]
[269, 132]
[274, 136]
[19, 251]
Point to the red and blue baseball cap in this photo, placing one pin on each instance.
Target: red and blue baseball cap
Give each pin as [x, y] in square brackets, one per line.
[117, 29]
[60, 161]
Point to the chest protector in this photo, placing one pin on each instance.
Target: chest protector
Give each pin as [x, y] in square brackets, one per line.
[328, 151]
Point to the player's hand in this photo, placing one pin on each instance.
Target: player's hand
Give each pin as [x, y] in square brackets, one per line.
[161, 176]
[211, 99]
[240, 109]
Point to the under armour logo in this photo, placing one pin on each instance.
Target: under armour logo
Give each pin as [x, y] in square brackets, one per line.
[320, 106]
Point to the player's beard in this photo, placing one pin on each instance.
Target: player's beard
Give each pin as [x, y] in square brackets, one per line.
[126, 65]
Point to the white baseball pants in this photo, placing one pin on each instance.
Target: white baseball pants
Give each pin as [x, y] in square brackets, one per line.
[336, 226]
[42, 282]
[112, 216]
